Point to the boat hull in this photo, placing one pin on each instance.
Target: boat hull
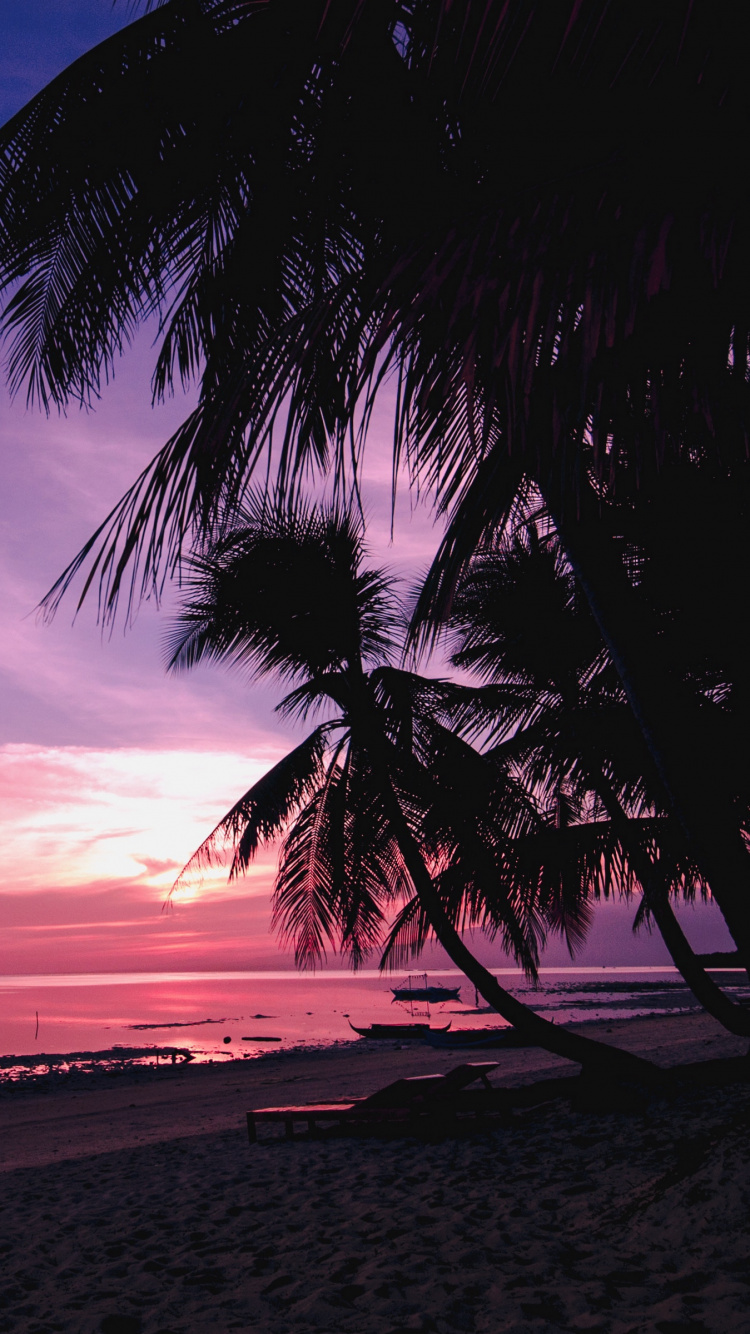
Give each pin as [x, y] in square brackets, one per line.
[426, 993]
[471, 1038]
[419, 1031]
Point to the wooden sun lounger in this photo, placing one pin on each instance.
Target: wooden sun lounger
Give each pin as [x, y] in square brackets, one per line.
[406, 1100]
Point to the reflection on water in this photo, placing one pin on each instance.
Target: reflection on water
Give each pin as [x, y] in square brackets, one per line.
[613, 999]
[225, 1016]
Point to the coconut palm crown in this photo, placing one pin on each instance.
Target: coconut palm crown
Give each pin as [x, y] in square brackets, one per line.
[310, 195]
[552, 705]
[384, 813]
[288, 595]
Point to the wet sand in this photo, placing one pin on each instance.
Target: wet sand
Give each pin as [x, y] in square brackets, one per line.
[137, 1204]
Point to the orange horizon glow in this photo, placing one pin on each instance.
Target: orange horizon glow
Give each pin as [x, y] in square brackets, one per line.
[92, 842]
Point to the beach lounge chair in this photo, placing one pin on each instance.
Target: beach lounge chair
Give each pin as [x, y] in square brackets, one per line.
[420, 1098]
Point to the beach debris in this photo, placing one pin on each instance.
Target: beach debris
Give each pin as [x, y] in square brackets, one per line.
[111, 1059]
[261, 1037]
[191, 1023]
[261, 1016]
[227, 1038]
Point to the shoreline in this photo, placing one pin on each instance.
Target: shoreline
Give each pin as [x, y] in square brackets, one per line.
[136, 1205]
[52, 1119]
[105, 1061]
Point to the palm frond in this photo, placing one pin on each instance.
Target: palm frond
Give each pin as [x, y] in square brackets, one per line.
[311, 195]
[407, 936]
[264, 811]
[285, 592]
[339, 868]
[373, 872]
[305, 897]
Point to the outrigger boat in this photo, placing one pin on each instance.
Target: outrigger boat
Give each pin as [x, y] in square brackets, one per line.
[416, 988]
[398, 1030]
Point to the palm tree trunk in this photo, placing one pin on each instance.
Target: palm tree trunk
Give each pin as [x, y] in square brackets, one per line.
[732, 1017]
[694, 785]
[587, 1052]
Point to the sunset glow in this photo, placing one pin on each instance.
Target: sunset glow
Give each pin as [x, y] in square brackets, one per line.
[93, 840]
[374, 815]
[111, 771]
[75, 816]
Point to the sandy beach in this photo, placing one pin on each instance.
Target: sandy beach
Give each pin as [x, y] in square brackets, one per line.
[137, 1204]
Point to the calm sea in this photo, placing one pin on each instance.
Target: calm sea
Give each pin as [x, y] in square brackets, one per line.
[197, 1012]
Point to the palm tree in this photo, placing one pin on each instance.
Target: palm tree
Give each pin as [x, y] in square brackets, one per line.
[555, 705]
[366, 823]
[690, 706]
[310, 194]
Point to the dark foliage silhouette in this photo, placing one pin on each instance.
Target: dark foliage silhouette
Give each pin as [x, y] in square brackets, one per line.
[312, 195]
[384, 812]
[553, 705]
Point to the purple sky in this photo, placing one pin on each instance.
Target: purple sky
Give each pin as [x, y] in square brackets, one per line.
[111, 773]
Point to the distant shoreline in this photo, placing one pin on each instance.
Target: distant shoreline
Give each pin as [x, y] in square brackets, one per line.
[633, 1031]
[24, 980]
[294, 1018]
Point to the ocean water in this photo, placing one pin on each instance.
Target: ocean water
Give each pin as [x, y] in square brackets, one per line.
[225, 1016]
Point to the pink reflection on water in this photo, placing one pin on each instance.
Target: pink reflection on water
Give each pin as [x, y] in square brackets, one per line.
[98, 1012]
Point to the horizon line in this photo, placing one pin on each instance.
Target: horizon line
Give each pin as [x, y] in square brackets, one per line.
[28, 980]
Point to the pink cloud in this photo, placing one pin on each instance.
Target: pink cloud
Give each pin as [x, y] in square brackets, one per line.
[95, 928]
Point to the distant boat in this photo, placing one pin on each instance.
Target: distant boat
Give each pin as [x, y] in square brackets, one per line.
[477, 1037]
[398, 1030]
[416, 988]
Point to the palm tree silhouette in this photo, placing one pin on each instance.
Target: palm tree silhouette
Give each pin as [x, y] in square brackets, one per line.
[556, 706]
[310, 195]
[380, 807]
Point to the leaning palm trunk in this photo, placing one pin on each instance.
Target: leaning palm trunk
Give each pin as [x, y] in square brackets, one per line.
[696, 793]
[289, 593]
[551, 1037]
[490, 616]
[732, 1017]
[655, 892]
